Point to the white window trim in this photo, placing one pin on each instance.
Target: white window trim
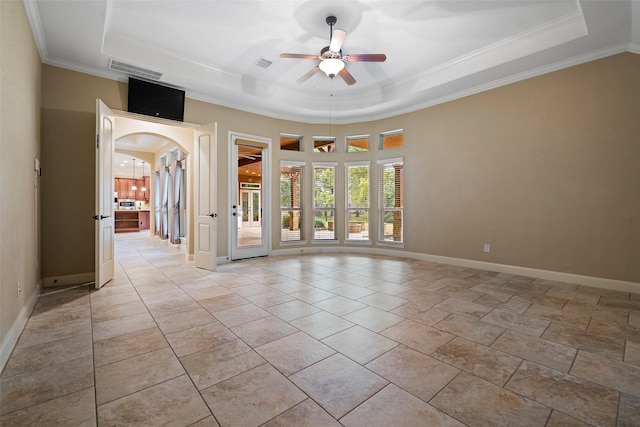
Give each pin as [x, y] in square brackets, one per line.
[333, 165]
[302, 165]
[380, 242]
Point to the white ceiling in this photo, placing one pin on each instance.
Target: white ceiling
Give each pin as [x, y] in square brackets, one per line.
[436, 50]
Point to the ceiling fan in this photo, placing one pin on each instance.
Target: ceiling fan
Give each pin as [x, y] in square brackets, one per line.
[332, 61]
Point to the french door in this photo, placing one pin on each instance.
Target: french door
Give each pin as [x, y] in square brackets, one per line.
[249, 196]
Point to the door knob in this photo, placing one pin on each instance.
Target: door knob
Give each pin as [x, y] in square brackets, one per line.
[104, 216]
[213, 215]
[235, 214]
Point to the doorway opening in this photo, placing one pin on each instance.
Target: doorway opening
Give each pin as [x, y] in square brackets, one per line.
[249, 196]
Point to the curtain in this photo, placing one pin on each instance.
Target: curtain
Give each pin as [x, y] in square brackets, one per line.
[176, 183]
[166, 182]
[157, 200]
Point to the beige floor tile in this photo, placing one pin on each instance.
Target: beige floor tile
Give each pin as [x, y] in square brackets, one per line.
[221, 303]
[199, 338]
[206, 422]
[383, 301]
[460, 292]
[517, 322]
[463, 308]
[42, 333]
[128, 345]
[263, 331]
[373, 318]
[470, 329]
[389, 288]
[101, 314]
[127, 376]
[184, 320]
[538, 350]
[513, 304]
[328, 283]
[241, 314]
[576, 320]
[419, 374]
[632, 352]
[353, 291]
[122, 325]
[312, 295]
[479, 360]
[502, 293]
[615, 302]
[268, 299]
[292, 310]
[306, 413]
[322, 324]
[216, 364]
[56, 315]
[252, 398]
[288, 286]
[163, 296]
[634, 318]
[596, 404]
[39, 356]
[478, 402]
[174, 402]
[573, 295]
[558, 419]
[614, 329]
[612, 348]
[629, 412]
[294, 352]
[418, 336]
[33, 387]
[533, 297]
[101, 300]
[600, 312]
[421, 313]
[393, 406]
[423, 296]
[184, 303]
[360, 344]
[74, 409]
[339, 305]
[338, 384]
[614, 374]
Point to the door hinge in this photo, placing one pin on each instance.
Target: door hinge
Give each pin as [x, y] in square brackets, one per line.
[98, 141]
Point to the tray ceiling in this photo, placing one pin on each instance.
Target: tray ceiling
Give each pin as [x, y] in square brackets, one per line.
[436, 50]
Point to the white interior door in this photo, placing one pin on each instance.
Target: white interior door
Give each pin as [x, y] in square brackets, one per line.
[205, 190]
[249, 228]
[104, 230]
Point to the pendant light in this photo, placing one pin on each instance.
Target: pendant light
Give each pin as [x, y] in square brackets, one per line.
[133, 187]
[143, 189]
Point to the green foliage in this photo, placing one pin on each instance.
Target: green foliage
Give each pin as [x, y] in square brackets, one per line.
[320, 223]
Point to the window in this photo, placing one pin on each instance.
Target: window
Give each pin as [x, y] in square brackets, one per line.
[291, 186]
[391, 196]
[290, 142]
[392, 139]
[357, 143]
[357, 225]
[324, 144]
[324, 207]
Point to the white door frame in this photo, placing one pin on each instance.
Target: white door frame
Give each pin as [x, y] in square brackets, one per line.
[265, 248]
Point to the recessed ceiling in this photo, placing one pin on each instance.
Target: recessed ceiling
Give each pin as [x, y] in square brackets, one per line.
[436, 50]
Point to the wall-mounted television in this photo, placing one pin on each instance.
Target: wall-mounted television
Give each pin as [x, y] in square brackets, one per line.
[153, 99]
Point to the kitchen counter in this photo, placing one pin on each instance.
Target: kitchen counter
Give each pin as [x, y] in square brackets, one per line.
[127, 220]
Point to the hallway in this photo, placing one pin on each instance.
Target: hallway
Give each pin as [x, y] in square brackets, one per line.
[322, 340]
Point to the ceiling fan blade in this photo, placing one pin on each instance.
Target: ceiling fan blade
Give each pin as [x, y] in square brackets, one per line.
[365, 57]
[337, 38]
[298, 56]
[309, 74]
[347, 77]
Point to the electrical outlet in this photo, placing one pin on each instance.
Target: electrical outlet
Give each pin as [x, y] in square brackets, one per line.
[487, 247]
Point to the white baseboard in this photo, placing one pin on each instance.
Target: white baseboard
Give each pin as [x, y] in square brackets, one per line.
[71, 279]
[11, 339]
[596, 282]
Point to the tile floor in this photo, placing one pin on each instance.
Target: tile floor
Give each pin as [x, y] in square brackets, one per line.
[322, 340]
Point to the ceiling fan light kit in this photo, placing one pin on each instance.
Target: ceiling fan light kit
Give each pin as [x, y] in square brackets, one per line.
[332, 62]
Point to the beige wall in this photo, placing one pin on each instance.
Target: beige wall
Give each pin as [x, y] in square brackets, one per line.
[19, 145]
[545, 170]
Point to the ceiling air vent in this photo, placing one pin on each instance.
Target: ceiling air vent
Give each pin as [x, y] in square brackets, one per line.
[134, 70]
[264, 63]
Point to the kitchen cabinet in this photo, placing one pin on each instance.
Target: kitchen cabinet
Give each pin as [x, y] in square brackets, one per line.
[144, 220]
[126, 221]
